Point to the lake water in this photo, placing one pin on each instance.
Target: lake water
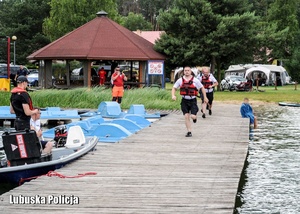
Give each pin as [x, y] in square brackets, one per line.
[272, 174]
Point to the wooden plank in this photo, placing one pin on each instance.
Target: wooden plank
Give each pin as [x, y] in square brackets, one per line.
[157, 170]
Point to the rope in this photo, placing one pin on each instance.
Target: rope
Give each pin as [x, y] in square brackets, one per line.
[53, 173]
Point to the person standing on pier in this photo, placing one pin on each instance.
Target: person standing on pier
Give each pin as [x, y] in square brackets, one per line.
[21, 104]
[189, 87]
[209, 82]
[247, 112]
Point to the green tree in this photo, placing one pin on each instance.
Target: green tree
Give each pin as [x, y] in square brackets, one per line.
[202, 32]
[293, 65]
[67, 15]
[135, 22]
[150, 10]
[282, 19]
[23, 19]
[260, 7]
[127, 6]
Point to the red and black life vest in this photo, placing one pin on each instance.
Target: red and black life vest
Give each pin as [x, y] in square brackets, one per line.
[188, 88]
[206, 82]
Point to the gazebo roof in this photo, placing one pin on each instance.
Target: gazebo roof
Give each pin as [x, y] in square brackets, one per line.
[151, 36]
[99, 39]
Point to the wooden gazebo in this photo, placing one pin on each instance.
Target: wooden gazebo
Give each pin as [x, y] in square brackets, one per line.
[99, 39]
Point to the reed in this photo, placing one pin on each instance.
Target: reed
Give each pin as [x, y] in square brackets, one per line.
[151, 98]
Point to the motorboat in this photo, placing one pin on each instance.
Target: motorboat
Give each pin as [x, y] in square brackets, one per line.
[22, 159]
[289, 104]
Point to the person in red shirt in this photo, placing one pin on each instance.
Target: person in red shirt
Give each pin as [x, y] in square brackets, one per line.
[102, 76]
[118, 79]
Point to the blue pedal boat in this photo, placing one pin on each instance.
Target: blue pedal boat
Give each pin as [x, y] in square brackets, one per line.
[48, 115]
[108, 131]
[55, 114]
[110, 109]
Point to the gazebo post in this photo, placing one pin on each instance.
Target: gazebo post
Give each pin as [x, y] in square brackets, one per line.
[87, 73]
[48, 74]
[68, 73]
[42, 73]
[143, 72]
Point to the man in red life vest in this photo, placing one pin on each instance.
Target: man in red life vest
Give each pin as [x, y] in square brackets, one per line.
[209, 82]
[189, 87]
[118, 79]
[102, 76]
[21, 104]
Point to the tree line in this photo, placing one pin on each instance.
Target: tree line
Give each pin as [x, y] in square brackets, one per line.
[198, 32]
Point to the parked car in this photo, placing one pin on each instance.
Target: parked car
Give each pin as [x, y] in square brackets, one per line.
[33, 71]
[230, 82]
[33, 79]
[79, 72]
[13, 71]
[77, 76]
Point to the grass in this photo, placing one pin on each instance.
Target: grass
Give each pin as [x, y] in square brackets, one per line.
[151, 98]
[269, 95]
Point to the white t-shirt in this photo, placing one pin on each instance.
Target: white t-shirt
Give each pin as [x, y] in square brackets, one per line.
[211, 78]
[196, 82]
[37, 126]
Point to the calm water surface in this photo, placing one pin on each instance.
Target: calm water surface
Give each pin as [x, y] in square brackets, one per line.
[272, 172]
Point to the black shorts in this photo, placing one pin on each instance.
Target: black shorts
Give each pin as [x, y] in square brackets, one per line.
[210, 97]
[21, 124]
[44, 142]
[189, 106]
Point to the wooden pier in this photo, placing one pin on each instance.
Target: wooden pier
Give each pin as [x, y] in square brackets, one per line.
[157, 170]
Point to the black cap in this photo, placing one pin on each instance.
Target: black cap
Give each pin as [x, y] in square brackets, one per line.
[21, 79]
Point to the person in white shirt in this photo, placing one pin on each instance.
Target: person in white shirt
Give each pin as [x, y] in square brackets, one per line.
[209, 82]
[189, 87]
[35, 124]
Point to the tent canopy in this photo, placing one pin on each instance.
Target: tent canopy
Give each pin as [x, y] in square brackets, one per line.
[260, 69]
[269, 72]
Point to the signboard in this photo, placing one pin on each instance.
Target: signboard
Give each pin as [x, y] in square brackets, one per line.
[155, 67]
